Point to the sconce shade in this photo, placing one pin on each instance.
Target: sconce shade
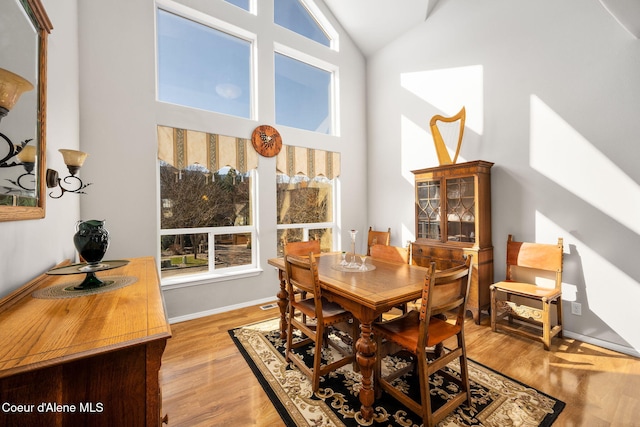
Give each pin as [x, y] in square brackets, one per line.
[11, 87]
[28, 154]
[73, 157]
[74, 160]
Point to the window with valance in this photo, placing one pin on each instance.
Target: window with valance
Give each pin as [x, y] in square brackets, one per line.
[208, 61]
[312, 163]
[306, 195]
[207, 201]
[182, 148]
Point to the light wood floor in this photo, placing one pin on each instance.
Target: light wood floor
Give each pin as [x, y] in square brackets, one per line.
[206, 381]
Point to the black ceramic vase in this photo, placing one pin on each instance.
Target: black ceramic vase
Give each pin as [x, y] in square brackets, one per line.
[91, 240]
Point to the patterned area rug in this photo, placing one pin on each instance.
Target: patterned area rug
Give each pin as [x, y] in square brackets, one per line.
[498, 400]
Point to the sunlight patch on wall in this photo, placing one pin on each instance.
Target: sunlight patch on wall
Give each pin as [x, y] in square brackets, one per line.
[547, 231]
[595, 294]
[416, 148]
[448, 90]
[560, 153]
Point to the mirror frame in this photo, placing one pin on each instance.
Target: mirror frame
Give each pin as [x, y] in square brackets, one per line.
[41, 22]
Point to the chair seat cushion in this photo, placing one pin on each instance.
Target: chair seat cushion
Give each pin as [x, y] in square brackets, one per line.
[528, 290]
[405, 330]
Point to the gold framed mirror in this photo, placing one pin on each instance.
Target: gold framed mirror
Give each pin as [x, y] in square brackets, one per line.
[24, 28]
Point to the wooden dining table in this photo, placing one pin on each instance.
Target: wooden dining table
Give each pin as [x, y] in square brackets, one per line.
[366, 294]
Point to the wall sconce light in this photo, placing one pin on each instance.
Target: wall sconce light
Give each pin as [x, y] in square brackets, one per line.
[11, 87]
[74, 160]
[27, 157]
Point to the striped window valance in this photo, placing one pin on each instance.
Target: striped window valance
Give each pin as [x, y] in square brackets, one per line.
[181, 148]
[310, 162]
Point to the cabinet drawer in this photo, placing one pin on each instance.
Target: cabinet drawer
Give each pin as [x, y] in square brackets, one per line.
[423, 255]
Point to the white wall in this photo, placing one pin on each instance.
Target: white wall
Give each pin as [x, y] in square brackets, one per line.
[552, 96]
[29, 248]
[551, 91]
[119, 115]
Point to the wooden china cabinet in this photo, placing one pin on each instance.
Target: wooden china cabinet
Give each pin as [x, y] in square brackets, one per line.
[453, 219]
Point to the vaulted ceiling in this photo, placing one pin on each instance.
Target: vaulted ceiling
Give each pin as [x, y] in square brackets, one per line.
[374, 23]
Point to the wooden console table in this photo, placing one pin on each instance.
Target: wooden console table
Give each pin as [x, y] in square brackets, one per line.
[84, 360]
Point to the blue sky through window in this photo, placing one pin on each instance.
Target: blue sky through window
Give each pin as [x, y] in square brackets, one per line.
[201, 67]
[293, 15]
[303, 95]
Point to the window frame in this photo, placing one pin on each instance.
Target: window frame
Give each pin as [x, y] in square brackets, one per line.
[251, 9]
[214, 274]
[307, 51]
[320, 18]
[202, 18]
[324, 23]
[333, 225]
[334, 90]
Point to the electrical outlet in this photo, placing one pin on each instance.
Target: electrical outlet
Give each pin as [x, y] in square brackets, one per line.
[576, 308]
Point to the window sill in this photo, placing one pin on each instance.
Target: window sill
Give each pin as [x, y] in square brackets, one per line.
[205, 279]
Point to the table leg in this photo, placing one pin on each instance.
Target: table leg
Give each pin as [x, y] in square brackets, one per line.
[366, 357]
[283, 304]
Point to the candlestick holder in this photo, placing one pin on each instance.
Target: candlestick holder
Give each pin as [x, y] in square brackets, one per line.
[353, 263]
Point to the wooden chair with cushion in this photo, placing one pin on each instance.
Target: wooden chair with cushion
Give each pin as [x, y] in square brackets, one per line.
[417, 331]
[302, 274]
[527, 264]
[378, 238]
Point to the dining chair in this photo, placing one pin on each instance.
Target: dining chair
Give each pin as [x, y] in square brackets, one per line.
[534, 279]
[389, 253]
[392, 254]
[444, 291]
[378, 238]
[302, 274]
[302, 248]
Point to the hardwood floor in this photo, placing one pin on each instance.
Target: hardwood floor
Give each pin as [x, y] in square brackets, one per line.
[206, 381]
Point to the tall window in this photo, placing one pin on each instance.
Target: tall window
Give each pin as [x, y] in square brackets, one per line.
[203, 67]
[303, 95]
[306, 196]
[207, 210]
[208, 181]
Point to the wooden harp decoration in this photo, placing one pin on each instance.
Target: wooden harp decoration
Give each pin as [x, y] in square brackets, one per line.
[452, 128]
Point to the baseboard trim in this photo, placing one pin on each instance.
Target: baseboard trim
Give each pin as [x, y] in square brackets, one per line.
[568, 334]
[205, 313]
[601, 343]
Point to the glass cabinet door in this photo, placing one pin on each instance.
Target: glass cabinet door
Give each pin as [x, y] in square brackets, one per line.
[461, 210]
[428, 207]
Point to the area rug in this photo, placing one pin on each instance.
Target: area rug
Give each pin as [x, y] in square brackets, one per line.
[498, 400]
